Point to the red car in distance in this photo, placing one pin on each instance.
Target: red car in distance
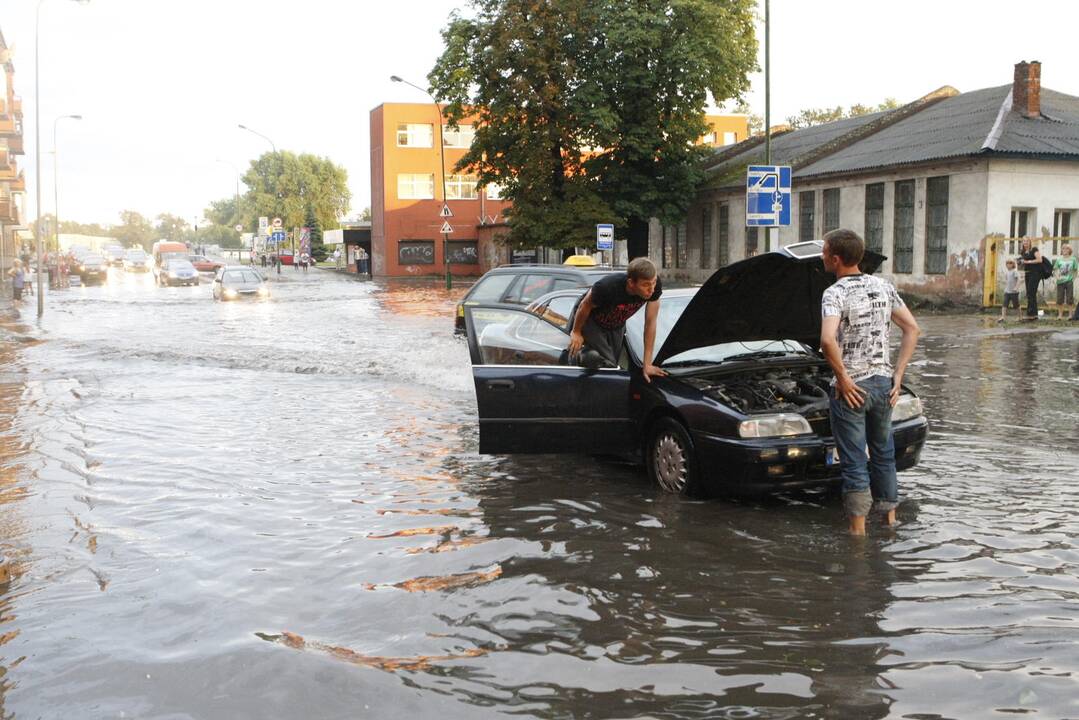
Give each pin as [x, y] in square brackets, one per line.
[204, 264]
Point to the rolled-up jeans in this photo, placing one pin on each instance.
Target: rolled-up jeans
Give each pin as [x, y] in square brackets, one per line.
[868, 483]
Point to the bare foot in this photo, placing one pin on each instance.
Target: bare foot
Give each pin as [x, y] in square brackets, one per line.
[889, 518]
[857, 524]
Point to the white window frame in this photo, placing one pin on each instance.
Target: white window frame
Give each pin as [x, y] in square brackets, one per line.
[413, 135]
[461, 187]
[410, 186]
[453, 138]
[493, 191]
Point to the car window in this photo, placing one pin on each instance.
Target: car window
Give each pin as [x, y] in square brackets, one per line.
[490, 288]
[565, 284]
[515, 337]
[558, 311]
[528, 288]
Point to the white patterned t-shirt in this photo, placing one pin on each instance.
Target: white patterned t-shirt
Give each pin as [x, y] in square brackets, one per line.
[864, 305]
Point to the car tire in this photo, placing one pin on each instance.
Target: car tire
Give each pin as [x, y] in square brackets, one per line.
[671, 458]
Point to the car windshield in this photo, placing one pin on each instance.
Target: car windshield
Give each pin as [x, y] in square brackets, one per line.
[670, 310]
[242, 276]
[136, 255]
[180, 265]
[115, 252]
[92, 259]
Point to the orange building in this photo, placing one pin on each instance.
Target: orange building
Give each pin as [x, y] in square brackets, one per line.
[407, 196]
[11, 145]
[725, 130]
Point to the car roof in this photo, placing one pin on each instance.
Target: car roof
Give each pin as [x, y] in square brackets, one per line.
[550, 267]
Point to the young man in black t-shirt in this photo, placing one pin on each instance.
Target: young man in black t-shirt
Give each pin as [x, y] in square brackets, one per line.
[601, 316]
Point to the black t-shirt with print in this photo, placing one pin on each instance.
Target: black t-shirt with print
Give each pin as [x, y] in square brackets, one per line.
[612, 305]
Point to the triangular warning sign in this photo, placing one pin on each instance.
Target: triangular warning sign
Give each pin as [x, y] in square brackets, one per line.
[446, 229]
[446, 212]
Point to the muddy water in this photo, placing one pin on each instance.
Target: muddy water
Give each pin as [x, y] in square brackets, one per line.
[277, 510]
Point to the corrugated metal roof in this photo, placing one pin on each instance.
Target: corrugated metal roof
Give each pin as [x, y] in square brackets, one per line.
[1055, 133]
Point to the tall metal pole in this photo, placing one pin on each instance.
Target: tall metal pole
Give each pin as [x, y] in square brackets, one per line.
[442, 168]
[56, 179]
[274, 146]
[37, 157]
[767, 107]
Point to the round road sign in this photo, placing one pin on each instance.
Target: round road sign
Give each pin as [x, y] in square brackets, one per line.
[239, 228]
[277, 222]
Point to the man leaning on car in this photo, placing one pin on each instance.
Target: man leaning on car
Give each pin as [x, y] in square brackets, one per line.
[855, 312]
[601, 317]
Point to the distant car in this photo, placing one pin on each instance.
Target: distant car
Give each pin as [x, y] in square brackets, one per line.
[92, 269]
[235, 283]
[178, 271]
[515, 286]
[204, 264]
[114, 254]
[137, 261]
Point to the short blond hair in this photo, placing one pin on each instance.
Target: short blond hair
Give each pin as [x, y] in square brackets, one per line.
[641, 269]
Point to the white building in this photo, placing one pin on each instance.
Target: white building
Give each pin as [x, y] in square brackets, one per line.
[944, 187]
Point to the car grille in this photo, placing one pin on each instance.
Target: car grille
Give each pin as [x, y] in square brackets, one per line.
[821, 424]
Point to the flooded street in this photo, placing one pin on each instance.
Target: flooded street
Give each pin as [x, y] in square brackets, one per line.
[277, 510]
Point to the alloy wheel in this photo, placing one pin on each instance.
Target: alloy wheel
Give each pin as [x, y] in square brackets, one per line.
[670, 463]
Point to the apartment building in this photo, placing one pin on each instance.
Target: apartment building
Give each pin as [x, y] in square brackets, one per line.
[12, 180]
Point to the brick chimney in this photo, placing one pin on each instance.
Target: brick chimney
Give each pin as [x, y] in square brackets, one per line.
[1027, 89]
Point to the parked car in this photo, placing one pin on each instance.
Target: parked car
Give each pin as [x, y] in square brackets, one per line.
[137, 261]
[238, 282]
[518, 285]
[178, 271]
[205, 264]
[92, 269]
[114, 254]
[744, 408]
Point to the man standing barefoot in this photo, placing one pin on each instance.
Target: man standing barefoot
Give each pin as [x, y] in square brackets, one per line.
[855, 314]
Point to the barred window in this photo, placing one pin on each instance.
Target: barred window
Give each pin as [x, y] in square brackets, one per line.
[903, 229]
[807, 202]
[706, 237]
[830, 199]
[936, 225]
[724, 252]
[874, 217]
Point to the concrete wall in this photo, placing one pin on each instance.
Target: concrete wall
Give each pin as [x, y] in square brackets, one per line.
[1042, 185]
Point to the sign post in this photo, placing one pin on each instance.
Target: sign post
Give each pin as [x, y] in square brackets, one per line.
[768, 197]
[605, 239]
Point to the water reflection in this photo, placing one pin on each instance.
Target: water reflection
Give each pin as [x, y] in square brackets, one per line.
[277, 510]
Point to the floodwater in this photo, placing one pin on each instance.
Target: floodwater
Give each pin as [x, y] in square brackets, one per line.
[277, 510]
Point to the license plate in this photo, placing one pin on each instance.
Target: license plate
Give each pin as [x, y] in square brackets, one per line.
[831, 456]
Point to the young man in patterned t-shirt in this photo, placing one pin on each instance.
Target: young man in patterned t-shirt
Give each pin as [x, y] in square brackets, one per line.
[855, 314]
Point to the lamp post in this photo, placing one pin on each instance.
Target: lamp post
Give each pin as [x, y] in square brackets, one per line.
[37, 153]
[274, 146]
[442, 168]
[56, 179]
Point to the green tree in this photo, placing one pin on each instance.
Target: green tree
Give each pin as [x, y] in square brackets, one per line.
[285, 185]
[588, 110]
[172, 227]
[318, 249]
[223, 212]
[134, 229]
[78, 228]
[817, 116]
[213, 234]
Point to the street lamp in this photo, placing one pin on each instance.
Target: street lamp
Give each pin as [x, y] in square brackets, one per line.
[56, 179]
[256, 132]
[37, 151]
[442, 167]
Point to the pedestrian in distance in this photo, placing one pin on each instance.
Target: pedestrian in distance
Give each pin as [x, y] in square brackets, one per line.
[603, 311]
[1064, 267]
[855, 315]
[1011, 289]
[1031, 261]
[18, 280]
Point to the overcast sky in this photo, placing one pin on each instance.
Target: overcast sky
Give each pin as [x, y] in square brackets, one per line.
[162, 84]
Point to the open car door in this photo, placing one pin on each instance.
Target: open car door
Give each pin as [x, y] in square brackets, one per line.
[531, 400]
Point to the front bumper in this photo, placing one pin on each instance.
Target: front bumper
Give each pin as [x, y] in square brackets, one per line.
[755, 466]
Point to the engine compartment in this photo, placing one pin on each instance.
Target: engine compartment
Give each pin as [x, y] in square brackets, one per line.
[802, 390]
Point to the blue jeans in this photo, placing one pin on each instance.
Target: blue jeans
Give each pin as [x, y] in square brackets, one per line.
[866, 483]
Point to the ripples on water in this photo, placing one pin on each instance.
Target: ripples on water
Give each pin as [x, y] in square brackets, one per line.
[277, 510]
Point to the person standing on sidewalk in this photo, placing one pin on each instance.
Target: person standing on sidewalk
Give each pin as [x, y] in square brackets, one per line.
[855, 315]
[1065, 268]
[1031, 260]
[18, 280]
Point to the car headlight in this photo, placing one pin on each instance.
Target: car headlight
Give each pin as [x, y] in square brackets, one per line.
[780, 425]
[229, 292]
[82, 268]
[907, 407]
[264, 291]
[172, 275]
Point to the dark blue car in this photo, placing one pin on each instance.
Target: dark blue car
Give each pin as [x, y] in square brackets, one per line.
[743, 410]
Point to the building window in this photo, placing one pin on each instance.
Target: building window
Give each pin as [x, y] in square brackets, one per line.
[415, 186]
[668, 246]
[709, 138]
[461, 187]
[463, 252]
[706, 237]
[874, 217]
[830, 198]
[751, 241]
[1063, 223]
[724, 252]
[730, 138]
[416, 252]
[806, 216]
[903, 229]
[936, 225]
[681, 244]
[493, 191]
[1022, 221]
[415, 135]
[462, 137]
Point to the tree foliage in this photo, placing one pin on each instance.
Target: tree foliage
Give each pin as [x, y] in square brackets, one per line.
[134, 229]
[588, 109]
[286, 185]
[172, 227]
[817, 116]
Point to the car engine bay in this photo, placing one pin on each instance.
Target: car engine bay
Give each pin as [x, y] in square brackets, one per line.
[802, 390]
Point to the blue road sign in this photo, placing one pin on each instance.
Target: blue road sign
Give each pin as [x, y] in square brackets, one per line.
[604, 236]
[277, 237]
[768, 195]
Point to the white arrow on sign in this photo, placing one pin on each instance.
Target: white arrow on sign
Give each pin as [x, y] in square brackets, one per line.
[446, 212]
[446, 229]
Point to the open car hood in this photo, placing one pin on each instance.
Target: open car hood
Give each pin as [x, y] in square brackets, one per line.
[772, 296]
